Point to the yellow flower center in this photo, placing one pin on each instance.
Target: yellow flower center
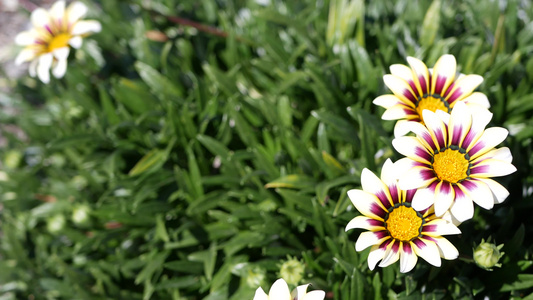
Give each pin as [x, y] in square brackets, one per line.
[451, 165]
[431, 102]
[59, 41]
[403, 223]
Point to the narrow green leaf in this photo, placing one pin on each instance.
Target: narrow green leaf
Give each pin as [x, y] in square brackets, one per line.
[152, 161]
[431, 24]
[159, 84]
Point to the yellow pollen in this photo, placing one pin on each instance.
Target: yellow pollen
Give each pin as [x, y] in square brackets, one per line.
[430, 103]
[403, 223]
[450, 165]
[59, 41]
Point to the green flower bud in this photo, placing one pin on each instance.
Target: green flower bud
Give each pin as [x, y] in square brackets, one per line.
[80, 215]
[55, 224]
[292, 271]
[487, 255]
[12, 159]
[255, 277]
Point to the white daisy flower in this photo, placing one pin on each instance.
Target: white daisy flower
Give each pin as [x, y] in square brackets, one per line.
[47, 44]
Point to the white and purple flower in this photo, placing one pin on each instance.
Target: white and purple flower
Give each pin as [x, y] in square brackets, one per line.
[47, 44]
[452, 159]
[395, 230]
[280, 291]
[417, 88]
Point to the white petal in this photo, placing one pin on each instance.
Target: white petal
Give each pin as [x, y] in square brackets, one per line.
[490, 139]
[446, 249]
[60, 68]
[390, 256]
[417, 177]
[503, 154]
[367, 239]
[24, 56]
[444, 195]
[399, 87]
[75, 11]
[420, 72]
[386, 101]
[396, 112]
[367, 204]
[299, 292]
[61, 53]
[407, 261]
[477, 98]
[43, 68]
[376, 254]
[462, 208]
[440, 227]
[429, 252]
[411, 147]
[313, 295]
[479, 192]
[25, 38]
[460, 123]
[436, 128]
[260, 294]
[361, 222]
[33, 67]
[388, 173]
[444, 70]
[373, 185]
[40, 18]
[491, 168]
[401, 127]
[463, 87]
[75, 42]
[57, 11]
[402, 71]
[480, 119]
[279, 290]
[423, 198]
[83, 27]
[499, 192]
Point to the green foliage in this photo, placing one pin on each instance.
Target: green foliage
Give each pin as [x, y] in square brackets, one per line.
[192, 166]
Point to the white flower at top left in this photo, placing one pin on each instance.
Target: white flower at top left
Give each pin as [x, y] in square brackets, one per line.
[47, 44]
[280, 291]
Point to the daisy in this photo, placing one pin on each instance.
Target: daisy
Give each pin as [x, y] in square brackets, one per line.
[395, 230]
[47, 44]
[451, 159]
[417, 88]
[280, 291]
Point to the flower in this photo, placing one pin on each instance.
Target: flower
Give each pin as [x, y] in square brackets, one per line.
[487, 255]
[395, 229]
[417, 88]
[292, 270]
[47, 44]
[451, 159]
[280, 291]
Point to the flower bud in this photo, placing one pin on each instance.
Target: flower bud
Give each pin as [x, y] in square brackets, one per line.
[292, 271]
[487, 255]
[255, 276]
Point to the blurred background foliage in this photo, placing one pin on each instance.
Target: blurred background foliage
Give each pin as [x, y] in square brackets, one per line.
[193, 147]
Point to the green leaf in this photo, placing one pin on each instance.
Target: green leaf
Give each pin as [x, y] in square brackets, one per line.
[159, 84]
[291, 181]
[431, 23]
[150, 162]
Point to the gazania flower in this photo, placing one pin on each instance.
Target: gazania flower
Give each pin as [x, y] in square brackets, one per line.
[395, 230]
[451, 160]
[417, 88]
[280, 291]
[47, 44]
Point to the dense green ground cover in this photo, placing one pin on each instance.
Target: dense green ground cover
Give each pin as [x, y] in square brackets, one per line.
[190, 162]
